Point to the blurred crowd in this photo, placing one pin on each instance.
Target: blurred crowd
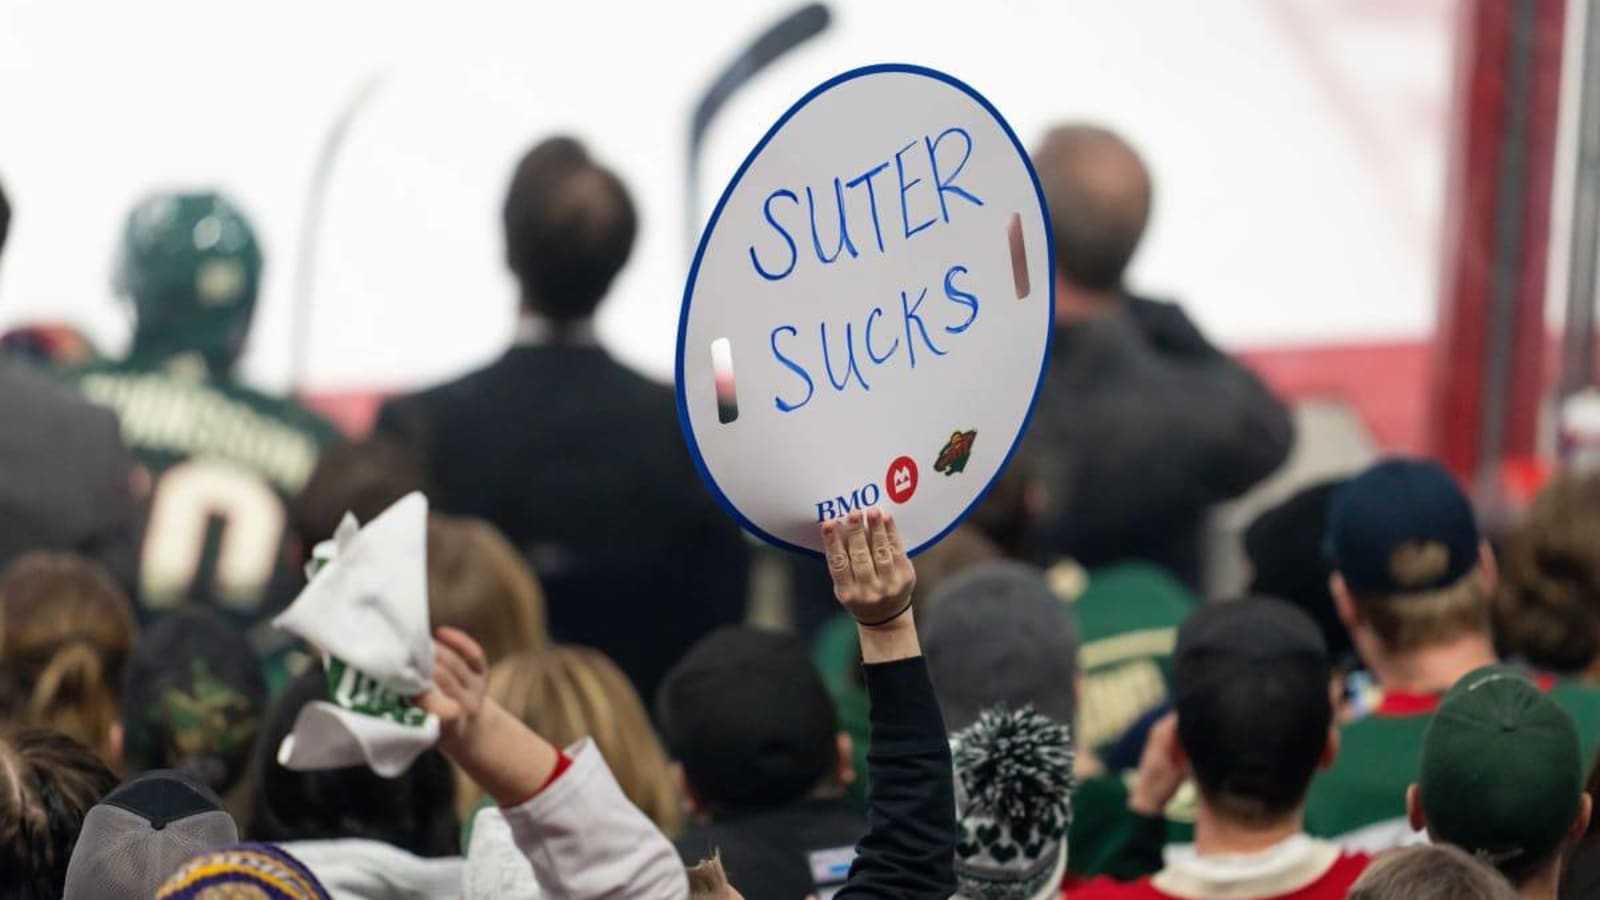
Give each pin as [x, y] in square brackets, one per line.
[1042, 704]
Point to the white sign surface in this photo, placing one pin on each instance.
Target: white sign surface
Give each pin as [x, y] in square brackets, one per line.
[867, 320]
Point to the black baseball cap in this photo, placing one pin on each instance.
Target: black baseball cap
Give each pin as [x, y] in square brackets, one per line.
[1251, 688]
[747, 716]
[1403, 526]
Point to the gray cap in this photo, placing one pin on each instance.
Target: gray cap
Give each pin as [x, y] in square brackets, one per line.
[140, 833]
[995, 635]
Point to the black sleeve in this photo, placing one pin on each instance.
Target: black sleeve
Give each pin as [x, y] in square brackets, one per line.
[909, 850]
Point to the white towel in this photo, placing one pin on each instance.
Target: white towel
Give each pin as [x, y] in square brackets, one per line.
[366, 609]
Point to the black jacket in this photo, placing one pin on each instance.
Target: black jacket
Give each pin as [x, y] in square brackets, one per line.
[1141, 426]
[580, 463]
[909, 852]
[66, 479]
[781, 854]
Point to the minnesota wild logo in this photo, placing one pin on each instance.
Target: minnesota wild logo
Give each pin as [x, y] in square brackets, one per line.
[953, 458]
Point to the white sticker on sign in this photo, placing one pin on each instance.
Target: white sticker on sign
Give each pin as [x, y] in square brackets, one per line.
[868, 316]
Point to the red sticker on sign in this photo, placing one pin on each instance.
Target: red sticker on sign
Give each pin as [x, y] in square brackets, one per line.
[901, 482]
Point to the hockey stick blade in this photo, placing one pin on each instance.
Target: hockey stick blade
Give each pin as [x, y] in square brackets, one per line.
[778, 40]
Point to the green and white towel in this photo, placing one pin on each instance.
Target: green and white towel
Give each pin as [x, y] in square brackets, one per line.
[366, 610]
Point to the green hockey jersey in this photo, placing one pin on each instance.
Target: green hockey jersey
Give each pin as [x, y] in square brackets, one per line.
[225, 462]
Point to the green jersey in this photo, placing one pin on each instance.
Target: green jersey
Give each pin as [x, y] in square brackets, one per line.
[1128, 618]
[1380, 755]
[225, 462]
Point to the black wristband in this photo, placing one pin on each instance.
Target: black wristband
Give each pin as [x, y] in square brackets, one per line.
[903, 610]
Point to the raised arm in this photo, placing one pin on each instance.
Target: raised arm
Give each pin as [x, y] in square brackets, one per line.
[909, 849]
[567, 814]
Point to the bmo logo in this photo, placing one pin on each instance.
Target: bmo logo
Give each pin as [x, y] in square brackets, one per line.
[901, 481]
[838, 507]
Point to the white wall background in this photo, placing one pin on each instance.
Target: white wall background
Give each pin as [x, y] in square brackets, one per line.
[1298, 147]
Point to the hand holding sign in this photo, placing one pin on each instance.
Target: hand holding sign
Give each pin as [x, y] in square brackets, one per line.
[872, 576]
[880, 267]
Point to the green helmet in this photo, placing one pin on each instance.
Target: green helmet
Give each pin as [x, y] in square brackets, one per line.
[191, 266]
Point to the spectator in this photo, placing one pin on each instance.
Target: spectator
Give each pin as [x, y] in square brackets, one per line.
[1253, 721]
[556, 444]
[561, 808]
[1502, 778]
[1547, 607]
[226, 458]
[1128, 616]
[1437, 872]
[141, 833]
[751, 726]
[66, 480]
[1412, 587]
[192, 700]
[478, 583]
[65, 634]
[997, 636]
[48, 782]
[350, 826]
[1288, 560]
[362, 478]
[244, 870]
[1142, 425]
[571, 693]
[1014, 802]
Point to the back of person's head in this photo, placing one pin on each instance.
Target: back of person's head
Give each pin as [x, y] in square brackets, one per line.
[1436, 872]
[996, 635]
[747, 717]
[192, 700]
[1099, 195]
[568, 693]
[362, 478]
[1287, 549]
[1014, 786]
[1006, 514]
[1502, 774]
[415, 811]
[141, 832]
[569, 227]
[1409, 563]
[65, 633]
[48, 782]
[254, 871]
[191, 266]
[1547, 603]
[1251, 689]
[480, 584]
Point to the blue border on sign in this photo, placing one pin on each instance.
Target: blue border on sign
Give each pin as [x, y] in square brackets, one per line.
[705, 237]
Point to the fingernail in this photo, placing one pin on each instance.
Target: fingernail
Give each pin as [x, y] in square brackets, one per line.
[855, 517]
[827, 528]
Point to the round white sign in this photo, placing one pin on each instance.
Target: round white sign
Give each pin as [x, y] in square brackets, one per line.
[868, 317]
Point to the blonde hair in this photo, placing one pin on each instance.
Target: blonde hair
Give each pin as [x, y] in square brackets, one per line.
[707, 879]
[1405, 622]
[568, 693]
[1430, 872]
[477, 582]
[65, 633]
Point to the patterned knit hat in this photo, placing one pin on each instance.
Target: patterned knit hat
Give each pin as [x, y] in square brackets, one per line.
[243, 872]
[1014, 804]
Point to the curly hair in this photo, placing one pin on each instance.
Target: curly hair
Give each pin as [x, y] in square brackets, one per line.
[1547, 606]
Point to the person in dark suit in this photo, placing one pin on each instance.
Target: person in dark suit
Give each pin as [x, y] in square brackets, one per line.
[66, 479]
[576, 459]
[1142, 425]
